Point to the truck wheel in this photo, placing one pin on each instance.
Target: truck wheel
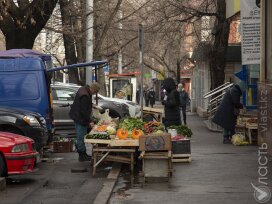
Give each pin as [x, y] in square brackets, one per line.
[3, 168]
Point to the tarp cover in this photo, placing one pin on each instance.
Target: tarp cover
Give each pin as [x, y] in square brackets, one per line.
[23, 53]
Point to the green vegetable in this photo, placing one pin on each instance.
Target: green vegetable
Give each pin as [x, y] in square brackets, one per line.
[182, 129]
[131, 123]
[111, 130]
[98, 136]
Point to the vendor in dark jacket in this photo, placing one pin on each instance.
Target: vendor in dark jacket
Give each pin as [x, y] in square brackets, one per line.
[80, 112]
[171, 103]
[228, 111]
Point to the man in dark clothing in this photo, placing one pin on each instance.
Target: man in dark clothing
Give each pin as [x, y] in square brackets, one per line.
[184, 100]
[146, 94]
[228, 110]
[151, 97]
[171, 103]
[80, 112]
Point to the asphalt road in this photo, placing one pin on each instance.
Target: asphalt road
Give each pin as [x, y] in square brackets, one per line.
[54, 183]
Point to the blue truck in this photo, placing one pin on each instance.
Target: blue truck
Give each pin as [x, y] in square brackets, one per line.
[25, 82]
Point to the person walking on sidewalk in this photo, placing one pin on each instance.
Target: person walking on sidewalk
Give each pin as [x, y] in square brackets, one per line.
[80, 112]
[228, 111]
[184, 100]
[171, 103]
[146, 97]
[151, 97]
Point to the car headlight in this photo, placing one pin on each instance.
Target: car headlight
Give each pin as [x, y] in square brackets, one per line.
[20, 148]
[32, 121]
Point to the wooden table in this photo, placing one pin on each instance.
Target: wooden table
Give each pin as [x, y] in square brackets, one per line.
[157, 113]
[103, 149]
[249, 128]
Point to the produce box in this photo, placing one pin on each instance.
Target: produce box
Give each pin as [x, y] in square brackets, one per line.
[181, 146]
[62, 147]
[155, 142]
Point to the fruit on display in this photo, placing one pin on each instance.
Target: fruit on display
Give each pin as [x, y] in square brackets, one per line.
[101, 128]
[122, 134]
[137, 133]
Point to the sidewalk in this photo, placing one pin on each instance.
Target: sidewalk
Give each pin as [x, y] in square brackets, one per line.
[218, 174]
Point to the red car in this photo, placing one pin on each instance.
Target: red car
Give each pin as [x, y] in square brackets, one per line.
[17, 154]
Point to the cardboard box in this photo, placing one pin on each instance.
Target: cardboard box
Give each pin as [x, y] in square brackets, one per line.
[155, 142]
[62, 147]
[181, 147]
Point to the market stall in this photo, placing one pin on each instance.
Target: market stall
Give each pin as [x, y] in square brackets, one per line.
[123, 141]
[122, 151]
[246, 130]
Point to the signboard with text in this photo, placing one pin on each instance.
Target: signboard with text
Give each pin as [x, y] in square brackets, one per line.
[250, 32]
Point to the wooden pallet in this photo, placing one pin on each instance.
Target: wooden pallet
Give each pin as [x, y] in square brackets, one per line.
[181, 158]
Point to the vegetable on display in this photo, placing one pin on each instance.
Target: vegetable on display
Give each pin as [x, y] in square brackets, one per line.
[182, 130]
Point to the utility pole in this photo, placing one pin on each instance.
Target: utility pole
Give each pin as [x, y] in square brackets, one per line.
[89, 39]
[141, 47]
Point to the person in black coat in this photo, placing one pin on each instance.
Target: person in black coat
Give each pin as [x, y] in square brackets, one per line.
[80, 113]
[146, 97]
[151, 96]
[171, 103]
[228, 110]
[184, 100]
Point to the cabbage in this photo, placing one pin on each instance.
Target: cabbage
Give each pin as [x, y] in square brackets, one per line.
[111, 130]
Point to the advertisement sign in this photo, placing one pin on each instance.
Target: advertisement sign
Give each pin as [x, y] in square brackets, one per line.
[186, 73]
[250, 32]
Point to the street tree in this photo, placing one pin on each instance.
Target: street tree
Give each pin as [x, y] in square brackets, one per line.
[22, 20]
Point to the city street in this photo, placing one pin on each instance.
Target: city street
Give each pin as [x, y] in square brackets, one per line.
[54, 183]
[219, 173]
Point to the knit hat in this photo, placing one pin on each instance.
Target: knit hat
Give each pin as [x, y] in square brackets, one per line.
[95, 87]
[242, 85]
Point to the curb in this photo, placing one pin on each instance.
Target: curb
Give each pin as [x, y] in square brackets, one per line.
[2, 184]
[104, 195]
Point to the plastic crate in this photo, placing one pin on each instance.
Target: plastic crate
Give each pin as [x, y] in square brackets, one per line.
[181, 147]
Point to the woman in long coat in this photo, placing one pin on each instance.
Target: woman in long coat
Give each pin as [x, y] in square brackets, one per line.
[171, 103]
[228, 111]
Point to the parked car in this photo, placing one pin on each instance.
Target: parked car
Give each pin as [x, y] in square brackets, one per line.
[63, 97]
[24, 122]
[134, 109]
[17, 154]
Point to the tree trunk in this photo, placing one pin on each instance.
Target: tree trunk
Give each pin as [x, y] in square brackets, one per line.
[68, 39]
[20, 39]
[22, 23]
[220, 45]
[178, 71]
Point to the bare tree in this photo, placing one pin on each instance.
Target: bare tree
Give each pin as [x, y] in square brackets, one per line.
[22, 20]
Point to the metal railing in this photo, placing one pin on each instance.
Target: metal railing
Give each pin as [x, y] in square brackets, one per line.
[215, 97]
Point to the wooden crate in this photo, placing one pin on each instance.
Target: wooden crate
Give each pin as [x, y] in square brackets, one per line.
[155, 142]
[62, 147]
[157, 166]
[181, 158]
[181, 147]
